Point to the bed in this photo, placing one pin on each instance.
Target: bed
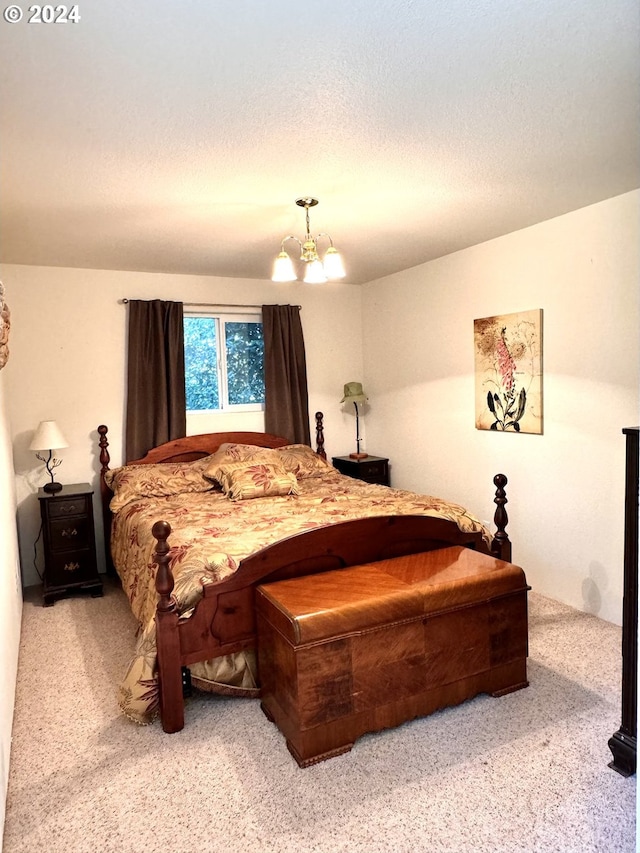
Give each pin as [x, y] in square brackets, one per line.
[199, 522]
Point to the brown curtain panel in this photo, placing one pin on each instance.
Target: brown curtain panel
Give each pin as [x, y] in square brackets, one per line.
[156, 397]
[286, 399]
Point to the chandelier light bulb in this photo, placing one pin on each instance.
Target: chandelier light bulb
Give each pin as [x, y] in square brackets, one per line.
[283, 268]
[314, 273]
[333, 265]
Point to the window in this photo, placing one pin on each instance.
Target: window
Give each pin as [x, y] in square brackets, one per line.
[224, 362]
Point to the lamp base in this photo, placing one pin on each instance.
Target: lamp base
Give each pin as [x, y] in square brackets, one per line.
[52, 488]
[358, 455]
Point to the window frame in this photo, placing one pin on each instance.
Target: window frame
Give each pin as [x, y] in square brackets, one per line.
[221, 318]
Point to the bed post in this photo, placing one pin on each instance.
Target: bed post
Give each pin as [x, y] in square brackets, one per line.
[320, 435]
[501, 545]
[105, 495]
[167, 639]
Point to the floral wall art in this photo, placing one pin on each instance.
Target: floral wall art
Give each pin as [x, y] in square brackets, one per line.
[5, 325]
[508, 371]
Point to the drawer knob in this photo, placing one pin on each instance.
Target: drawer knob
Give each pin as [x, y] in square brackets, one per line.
[71, 567]
[70, 531]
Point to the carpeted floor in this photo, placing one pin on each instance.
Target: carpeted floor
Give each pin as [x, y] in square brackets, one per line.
[527, 772]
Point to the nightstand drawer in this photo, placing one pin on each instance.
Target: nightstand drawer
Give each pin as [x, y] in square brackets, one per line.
[73, 567]
[373, 472]
[67, 534]
[371, 469]
[63, 507]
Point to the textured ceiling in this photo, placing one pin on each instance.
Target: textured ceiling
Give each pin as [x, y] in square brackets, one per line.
[175, 136]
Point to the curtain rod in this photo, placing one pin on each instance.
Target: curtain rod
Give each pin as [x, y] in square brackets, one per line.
[209, 304]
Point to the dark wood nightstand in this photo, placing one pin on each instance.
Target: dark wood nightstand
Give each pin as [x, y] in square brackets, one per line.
[371, 469]
[69, 542]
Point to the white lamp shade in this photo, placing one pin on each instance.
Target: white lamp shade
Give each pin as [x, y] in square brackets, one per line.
[314, 273]
[283, 268]
[48, 437]
[333, 265]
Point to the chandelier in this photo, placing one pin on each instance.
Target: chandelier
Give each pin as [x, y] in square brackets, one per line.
[316, 271]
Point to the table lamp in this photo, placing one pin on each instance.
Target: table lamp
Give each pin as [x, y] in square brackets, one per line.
[49, 437]
[353, 393]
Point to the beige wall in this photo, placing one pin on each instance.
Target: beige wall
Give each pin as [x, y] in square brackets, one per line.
[566, 487]
[68, 363]
[11, 598]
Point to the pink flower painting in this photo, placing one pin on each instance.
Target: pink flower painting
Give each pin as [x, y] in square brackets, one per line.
[508, 372]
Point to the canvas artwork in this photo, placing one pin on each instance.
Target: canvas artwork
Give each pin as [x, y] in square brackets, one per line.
[5, 325]
[508, 372]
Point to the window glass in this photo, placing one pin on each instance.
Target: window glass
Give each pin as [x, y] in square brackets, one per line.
[224, 363]
[245, 363]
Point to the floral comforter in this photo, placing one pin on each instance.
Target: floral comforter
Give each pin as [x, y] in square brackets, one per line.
[211, 534]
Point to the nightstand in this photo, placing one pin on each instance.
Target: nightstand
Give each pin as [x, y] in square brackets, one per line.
[371, 469]
[69, 542]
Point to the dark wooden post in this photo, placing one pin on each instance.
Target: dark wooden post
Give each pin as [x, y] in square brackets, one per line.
[167, 638]
[320, 435]
[501, 545]
[105, 496]
[623, 744]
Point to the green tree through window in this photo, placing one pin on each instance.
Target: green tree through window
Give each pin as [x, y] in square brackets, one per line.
[245, 363]
[224, 362]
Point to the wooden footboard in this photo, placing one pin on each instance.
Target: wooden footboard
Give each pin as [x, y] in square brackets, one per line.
[224, 621]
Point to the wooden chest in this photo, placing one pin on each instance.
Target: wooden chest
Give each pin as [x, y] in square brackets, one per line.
[368, 647]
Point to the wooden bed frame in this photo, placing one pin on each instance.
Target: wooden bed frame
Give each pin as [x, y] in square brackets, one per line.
[224, 620]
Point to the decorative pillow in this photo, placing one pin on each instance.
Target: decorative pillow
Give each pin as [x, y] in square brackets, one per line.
[244, 480]
[131, 482]
[301, 460]
[228, 454]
